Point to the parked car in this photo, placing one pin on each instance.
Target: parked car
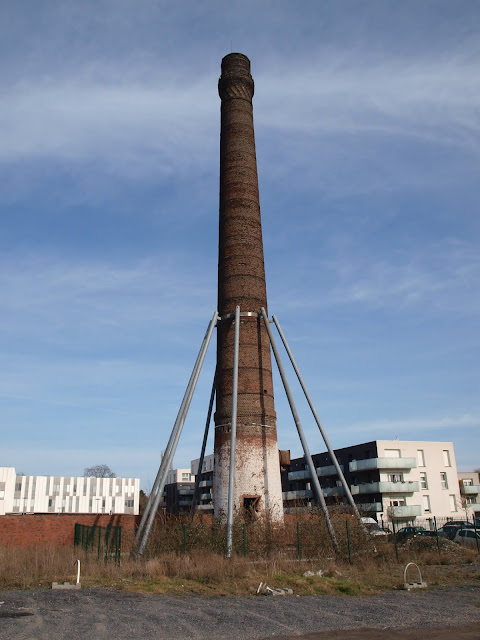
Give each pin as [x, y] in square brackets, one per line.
[450, 530]
[407, 532]
[458, 523]
[431, 534]
[467, 538]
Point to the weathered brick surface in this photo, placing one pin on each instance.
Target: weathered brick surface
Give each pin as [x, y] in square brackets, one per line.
[58, 529]
[241, 281]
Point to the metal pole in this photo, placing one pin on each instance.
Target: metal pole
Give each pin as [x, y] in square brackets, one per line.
[308, 457]
[299, 541]
[181, 422]
[333, 457]
[233, 434]
[348, 542]
[165, 457]
[204, 446]
[436, 532]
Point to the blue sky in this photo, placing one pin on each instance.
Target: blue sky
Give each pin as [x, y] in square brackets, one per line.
[367, 127]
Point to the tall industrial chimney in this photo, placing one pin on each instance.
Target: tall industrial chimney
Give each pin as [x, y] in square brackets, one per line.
[241, 281]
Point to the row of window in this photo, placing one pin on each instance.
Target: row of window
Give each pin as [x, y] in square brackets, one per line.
[421, 458]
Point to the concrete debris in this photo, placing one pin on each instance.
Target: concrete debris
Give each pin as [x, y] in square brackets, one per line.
[66, 585]
[309, 574]
[279, 592]
[263, 588]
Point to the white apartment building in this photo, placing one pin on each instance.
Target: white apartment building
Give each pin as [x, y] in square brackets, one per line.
[470, 492]
[66, 494]
[391, 480]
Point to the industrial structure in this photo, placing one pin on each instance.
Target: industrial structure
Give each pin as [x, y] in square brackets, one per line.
[247, 473]
[241, 283]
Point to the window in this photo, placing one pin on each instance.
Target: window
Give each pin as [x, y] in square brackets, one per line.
[443, 480]
[446, 458]
[129, 504]
[395, 477]
[426, 504]
[397, 503]
[18, 486]
[2, 494]
[453, 503]
[50, 502]
[470, 500]
[467, 482]
[186, 477]
[423, 480]
[56, 488]
[420, 458]
[16, 502]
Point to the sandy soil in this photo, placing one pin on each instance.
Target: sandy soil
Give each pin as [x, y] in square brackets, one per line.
[102, 614]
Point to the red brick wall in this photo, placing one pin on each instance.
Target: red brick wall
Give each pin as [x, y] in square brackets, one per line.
[58, 529]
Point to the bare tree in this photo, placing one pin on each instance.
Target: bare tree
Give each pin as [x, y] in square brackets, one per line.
[99, 471]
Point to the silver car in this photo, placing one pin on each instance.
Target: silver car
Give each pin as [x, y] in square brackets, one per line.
[468, 538]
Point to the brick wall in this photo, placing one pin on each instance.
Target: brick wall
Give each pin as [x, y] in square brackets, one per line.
[58, 529]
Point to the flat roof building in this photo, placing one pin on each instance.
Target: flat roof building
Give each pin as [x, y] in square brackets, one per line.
[66, 494]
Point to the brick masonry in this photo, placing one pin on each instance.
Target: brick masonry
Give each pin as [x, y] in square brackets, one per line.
[241, 281]
[58, 529]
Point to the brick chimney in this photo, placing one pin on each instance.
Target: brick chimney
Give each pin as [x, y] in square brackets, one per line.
[241, 281]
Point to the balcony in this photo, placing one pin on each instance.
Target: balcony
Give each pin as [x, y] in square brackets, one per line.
[385, 487]
[305, 494]
[382, 463]
[370, 506]
[469, 490]
[406, 511]
[304, 474]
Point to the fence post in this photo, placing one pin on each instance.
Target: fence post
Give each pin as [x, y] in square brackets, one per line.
[436, 532]
[395, 538]
[99, 538]
[184, 539]
[299, 542]
[244, 527]
[348, 543]
[476, 537]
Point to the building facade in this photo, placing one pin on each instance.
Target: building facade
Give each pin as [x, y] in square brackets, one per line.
[390, 480]
[66, 494]
[470, 492]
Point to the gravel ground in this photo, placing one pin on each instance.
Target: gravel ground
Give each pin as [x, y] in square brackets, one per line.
[103, 614]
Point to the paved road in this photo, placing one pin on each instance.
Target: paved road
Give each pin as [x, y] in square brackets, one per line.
[103, 614]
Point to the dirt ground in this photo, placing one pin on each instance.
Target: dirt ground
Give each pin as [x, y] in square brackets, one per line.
[103, 614]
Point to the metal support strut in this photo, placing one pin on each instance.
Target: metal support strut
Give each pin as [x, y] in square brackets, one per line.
[298, 424]
[333, 457]
[233, 435]
[204, 446]
[152, 505]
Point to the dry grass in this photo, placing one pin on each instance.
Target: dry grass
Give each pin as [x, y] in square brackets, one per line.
[273, 555]
[210, 573]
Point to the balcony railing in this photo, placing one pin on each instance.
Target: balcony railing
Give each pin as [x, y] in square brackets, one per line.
[370, 506]
[469, 489]
[405, 511]
[382, 463]
[304, 474]
[385, 487]
[303, 494]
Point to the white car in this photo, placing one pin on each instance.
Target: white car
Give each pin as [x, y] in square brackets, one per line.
[468, 538]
